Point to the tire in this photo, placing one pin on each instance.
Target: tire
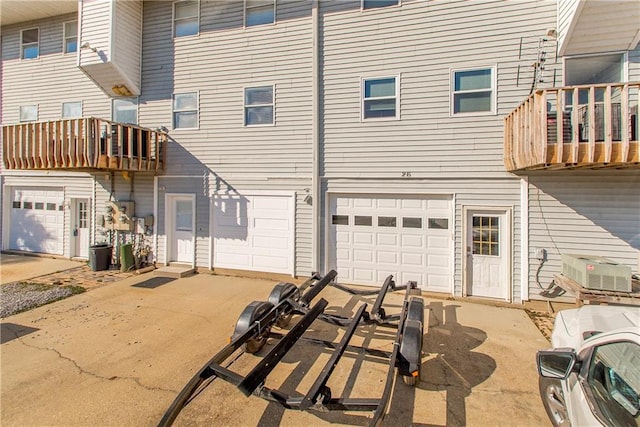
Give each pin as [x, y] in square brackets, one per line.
[553, 401]
[251, 313]
[279, 293]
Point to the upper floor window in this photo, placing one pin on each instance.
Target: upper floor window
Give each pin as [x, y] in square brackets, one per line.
[70, 36]
[71, 110]
[473, 91]
[380, 98]
[28, 113]
[30, 43]
[125, 110]
[373, 4]
[258, 12]
[258, 106]
[186, 18]
[185, 110]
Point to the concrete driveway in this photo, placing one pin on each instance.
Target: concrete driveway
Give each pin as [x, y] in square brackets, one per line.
[23, 267]
[118, 355]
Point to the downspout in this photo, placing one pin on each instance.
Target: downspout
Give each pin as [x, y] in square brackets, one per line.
[315, 139]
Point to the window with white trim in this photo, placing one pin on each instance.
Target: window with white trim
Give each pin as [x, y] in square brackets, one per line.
[28, 113]
[473, 91]
[258, 106]
[185, 110]
[125, 110]
[71, 110]
[259, 12]
[374, 4]
[380, 98]
[30, 43]
[70, 36]
[186, 18]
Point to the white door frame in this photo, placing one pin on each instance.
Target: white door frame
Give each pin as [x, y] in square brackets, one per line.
[467, 212]
[73, 246]
[169, 199]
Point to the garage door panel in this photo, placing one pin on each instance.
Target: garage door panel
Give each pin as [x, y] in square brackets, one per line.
[36, 224]
[254, 233]
[399, 235]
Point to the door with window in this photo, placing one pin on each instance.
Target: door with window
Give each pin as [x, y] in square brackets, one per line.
[488, 252]
[80, 236]
[181, 228]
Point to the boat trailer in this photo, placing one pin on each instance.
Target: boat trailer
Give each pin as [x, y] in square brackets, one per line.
[256, 321]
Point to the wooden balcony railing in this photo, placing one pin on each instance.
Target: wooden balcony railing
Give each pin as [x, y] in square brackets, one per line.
[597, 128]
[83, 144]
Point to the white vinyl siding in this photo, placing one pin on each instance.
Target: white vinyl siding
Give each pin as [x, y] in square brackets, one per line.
[185, 110]
[28, 113]
[72, 109]
[473, 91]
[259, 12]
[30, 43]
[70, 37]
[186, 18]
[259, 106]
[380, 98]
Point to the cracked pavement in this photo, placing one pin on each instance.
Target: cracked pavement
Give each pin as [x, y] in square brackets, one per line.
[118, 355]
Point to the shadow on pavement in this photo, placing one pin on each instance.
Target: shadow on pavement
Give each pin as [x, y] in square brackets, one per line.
[11, 331]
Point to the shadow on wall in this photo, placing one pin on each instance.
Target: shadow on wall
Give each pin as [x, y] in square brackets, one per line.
[29, 235]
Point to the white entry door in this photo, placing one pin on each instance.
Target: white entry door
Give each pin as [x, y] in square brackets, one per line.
[488, 252]
[182, 228]
[81, 227]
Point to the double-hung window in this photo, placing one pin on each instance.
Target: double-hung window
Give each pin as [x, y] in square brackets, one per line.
[186, 18]
[125, 110]
[70, 36]
[259, 12]
[380, 98]
[71, 110]
[374, 4]
[185, 110]
[258, 106]
[30, 43]
[28, 113]
[473, 91]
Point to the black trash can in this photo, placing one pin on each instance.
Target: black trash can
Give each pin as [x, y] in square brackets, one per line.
[100, 257]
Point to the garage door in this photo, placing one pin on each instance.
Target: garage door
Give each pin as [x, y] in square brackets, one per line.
[409, 237]
[254, 233]
[37, 220]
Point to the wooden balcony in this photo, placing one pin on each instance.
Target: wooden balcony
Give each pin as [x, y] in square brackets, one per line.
[83, 144]
[597, 128]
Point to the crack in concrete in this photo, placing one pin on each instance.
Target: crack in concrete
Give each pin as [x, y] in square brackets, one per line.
[84, 371]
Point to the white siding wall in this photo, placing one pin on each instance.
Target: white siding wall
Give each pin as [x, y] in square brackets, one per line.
[127, 39]
[219, 63]
[566, 12]
[48, 81]
[95, 29]
[593, 213]
[422, 42]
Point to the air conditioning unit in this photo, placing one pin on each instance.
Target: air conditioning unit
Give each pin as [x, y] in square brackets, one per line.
[596, 272]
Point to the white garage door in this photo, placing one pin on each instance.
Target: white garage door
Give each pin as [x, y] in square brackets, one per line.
[409, 237]
[254, 233]
[37, 220]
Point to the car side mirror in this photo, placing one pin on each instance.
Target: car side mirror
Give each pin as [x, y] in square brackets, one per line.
[556, 363]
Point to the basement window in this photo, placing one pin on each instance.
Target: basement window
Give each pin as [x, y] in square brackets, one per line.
[186, 19]
[30, 43]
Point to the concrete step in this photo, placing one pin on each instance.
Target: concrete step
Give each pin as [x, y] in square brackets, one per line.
[176, 271]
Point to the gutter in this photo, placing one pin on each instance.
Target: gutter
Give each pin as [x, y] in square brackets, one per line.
[315, 138]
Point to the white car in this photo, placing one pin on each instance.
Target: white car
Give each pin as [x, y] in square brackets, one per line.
[591, 377]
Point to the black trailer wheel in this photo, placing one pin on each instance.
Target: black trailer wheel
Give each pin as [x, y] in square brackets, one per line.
[248, 316]
[411, 346]
[280, 292]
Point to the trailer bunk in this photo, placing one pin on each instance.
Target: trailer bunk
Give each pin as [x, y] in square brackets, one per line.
[286, 300]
